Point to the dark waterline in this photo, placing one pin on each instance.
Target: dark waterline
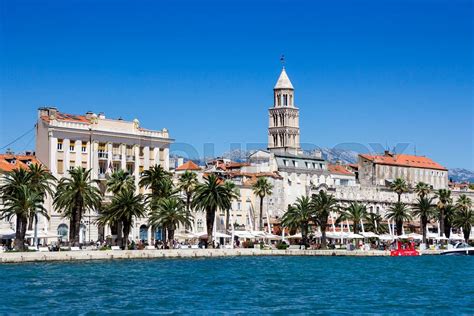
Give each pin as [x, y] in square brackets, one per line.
[246, 285]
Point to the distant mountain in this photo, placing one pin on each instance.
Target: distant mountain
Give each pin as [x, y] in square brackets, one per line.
[461, 175]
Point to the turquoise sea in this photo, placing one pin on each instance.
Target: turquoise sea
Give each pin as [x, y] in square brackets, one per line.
[242, 285]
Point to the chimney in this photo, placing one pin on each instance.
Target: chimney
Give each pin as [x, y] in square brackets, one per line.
[102, 115]
[89, 115]
[387, 153]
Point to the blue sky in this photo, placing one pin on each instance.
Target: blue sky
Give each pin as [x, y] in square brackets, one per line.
[384, 72]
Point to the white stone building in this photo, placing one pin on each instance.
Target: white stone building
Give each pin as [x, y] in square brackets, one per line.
[91, 141]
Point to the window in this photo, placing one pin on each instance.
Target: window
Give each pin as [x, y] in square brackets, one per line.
[84, 147]
[72, 147]
[72, 164]
[143, 233]
[63, 232]
[285, 162]
[84, 164]
[60, 166]
[142, 151]
[60, 144]
[200, 228]
[116, 149]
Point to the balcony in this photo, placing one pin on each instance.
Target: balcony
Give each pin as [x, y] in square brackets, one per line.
[101, 176]
[130, 158]
[103, 155]
[116, 157]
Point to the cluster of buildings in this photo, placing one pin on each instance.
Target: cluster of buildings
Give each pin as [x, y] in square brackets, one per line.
[92, 141]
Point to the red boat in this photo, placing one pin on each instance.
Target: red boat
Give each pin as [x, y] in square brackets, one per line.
[408, 250]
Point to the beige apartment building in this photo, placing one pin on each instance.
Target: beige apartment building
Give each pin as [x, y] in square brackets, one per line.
[92, 141]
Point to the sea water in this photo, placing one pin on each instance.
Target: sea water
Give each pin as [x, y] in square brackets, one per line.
[242, 285]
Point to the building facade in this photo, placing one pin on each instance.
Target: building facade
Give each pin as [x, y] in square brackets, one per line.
[92, 141]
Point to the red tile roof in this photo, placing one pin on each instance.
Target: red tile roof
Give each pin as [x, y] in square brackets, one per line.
[188, 165]
[67, 118]
[10, 162]
[339, 169]
[404, 161]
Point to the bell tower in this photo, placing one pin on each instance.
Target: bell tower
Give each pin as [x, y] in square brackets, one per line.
[283, 126]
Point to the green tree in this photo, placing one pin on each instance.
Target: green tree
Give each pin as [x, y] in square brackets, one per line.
[399, 186]
[425, 210]
[211, 196]
[119, 181]
[444, 199]
[125, 206]
[355, 212]
[21, 204]
[422, 189]
[168, 214]
[42, 182]
[464, 218]
[323, 205]
[374, 223]
[400, 213]
[158, 180]
[187, 183]
[262, 188]
[298, 216]
[234, 193]
[74, 195]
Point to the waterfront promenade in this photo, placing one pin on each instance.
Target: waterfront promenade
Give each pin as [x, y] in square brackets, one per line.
[19, 257]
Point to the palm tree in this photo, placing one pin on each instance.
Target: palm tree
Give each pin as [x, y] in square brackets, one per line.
[464, 202]
[74, 195]
[374, 223]
[233, 194]
[464, 218]
[399, 212]
[449, 213]
[125, 206]
[444, 198]
[262, 188]
[399, 186]
[298, 216]
[120, 181]
[355, 212]
[42, 182]
[22, 204]
[425, 211]
[211, 196]
[169, 213]
[187, 184]
[422, 189]
[158, 180]
[323, 204]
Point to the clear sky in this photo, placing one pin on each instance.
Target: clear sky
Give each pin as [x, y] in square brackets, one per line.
[384, 72]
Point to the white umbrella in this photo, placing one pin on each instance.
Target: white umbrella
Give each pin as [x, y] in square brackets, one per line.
[316, 234]
[415, 236]
[41, 234]
[441, 238]
[386, 237]
[243, 234]
[7, 233]
[216, 235]
[295, 236]
[432, 235]
[369, 235]
[402, 236]
[258, 233]
[336, 235]
[273, 237]
[353, 236]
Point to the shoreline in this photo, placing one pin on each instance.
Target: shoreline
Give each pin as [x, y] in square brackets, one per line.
[24, 257]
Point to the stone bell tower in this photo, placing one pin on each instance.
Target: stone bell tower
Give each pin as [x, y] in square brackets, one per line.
[283, 127]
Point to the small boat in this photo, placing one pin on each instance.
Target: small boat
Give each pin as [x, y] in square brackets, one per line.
[407, 251]
[460, 249]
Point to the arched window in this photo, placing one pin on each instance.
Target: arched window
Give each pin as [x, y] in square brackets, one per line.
[63, 232]
[143, 233]
[199, 225]
[159, 234]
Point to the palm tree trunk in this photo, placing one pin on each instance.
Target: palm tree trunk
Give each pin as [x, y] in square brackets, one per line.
[19, 243]
[323, 237]
[423, 227]
[399, 225]
[72, 227]
[210, 214]
[399, 197]
[119, 233]
[24, 226]
[77, 225]
[441, 221]
[126, 231]
[447, 228]
[31, 219]
[466, 230]
[171, 236]
[356, 225]
[261, 214]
